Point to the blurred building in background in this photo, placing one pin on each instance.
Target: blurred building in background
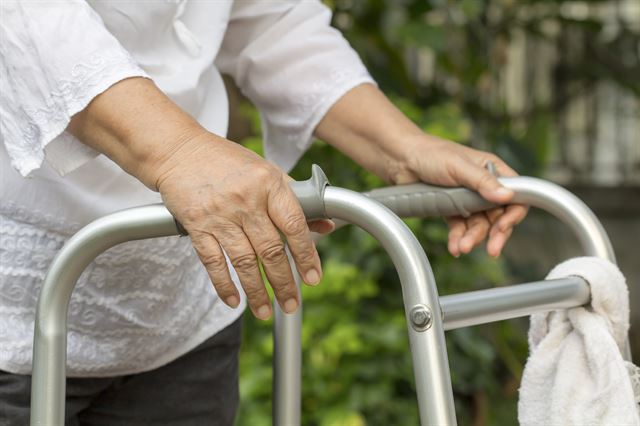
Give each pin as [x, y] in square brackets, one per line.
[596, 123]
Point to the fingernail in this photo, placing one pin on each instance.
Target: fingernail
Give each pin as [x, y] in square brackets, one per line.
[233, 301]
[312, 277]
[263, 312]
[290, 305]
[466, 244]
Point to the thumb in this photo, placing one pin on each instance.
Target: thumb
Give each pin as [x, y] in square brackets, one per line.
[485, 183]
[322, 226]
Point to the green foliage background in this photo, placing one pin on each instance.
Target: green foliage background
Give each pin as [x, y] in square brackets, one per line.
[356, 363]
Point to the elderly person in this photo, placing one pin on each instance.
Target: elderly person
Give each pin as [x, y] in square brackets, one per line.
[110, 105]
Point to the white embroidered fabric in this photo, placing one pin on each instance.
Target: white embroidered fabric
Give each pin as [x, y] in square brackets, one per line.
[36, 109]
[138, 306]
[141, 304]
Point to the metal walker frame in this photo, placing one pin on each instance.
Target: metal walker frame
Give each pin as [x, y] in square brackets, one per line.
[428, 315]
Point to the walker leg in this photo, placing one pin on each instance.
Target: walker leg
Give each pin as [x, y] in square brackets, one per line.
[287, 364]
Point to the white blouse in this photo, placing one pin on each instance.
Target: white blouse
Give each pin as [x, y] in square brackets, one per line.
[141, 304]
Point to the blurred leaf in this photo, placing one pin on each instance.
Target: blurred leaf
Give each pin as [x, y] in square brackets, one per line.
[420, 34]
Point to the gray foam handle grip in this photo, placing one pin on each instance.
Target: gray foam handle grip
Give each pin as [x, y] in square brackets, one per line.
[421, 200]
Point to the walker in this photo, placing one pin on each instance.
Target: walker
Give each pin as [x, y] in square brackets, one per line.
[428, 316]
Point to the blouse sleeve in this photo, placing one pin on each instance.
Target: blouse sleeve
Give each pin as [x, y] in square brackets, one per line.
[55, 58]
[293, 65]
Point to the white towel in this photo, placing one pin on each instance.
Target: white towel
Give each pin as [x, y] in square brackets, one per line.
[575, 374]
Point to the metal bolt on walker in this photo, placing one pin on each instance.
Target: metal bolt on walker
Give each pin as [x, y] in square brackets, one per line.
[420, 317]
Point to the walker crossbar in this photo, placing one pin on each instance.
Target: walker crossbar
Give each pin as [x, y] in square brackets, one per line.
[427, 315]
[501, 303]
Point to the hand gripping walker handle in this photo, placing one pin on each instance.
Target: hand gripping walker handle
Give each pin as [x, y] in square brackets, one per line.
[421, 200]
[310, 194]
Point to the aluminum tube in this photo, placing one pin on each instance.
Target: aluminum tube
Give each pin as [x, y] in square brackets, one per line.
[287, 361]
[428, 348]
[566, 207]
[501, 303]
[50, 336]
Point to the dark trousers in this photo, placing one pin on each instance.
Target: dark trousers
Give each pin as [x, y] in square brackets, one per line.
[199, 388]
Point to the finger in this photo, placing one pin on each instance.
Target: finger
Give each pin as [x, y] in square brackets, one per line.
[322, 226]
[457, 228]
[243, 258]
[497, 241]
[514, 214]
[494, 214]
[502, 168]
[477, 228]
[286, 213]
[467, 172]
[269, 247]
[214, 261]
[485, 183]
[502, 229]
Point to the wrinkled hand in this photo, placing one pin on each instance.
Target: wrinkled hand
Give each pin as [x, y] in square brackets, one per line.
[445, 163]
[228, 198]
